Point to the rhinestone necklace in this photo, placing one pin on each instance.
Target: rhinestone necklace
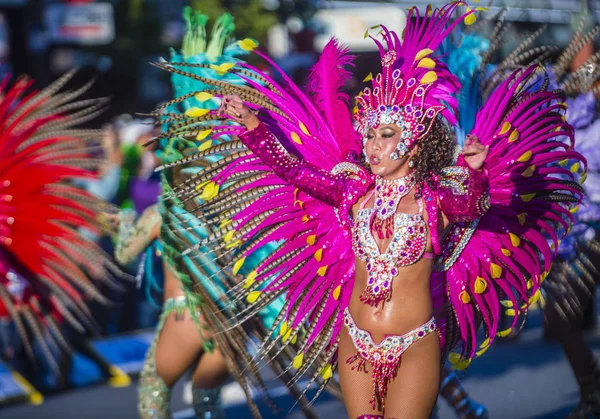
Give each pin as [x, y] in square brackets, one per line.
[388, 194]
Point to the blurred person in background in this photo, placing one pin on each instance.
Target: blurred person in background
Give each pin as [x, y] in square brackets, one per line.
[570, 288]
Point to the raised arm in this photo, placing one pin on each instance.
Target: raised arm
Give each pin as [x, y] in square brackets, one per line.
[343, 186]
[463, 193]
[133, 239]
[463, 190]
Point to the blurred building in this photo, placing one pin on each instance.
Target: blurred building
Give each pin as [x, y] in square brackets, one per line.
[116, 39]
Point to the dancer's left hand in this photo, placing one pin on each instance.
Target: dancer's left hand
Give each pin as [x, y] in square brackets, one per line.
[474, 152]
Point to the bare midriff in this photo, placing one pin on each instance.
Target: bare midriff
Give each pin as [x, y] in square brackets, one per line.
[410, 305]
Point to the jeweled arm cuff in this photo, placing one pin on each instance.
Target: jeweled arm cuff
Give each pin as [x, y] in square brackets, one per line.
[463, 193]
[331, 188]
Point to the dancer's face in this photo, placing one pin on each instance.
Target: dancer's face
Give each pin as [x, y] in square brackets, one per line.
[381, 143]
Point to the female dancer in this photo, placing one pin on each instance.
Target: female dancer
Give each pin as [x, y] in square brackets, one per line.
[381, 266]
[178, 343]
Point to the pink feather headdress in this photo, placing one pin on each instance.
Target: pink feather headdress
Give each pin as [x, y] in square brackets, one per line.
[413, 87]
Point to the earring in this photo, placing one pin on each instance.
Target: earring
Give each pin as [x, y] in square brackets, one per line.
[399, 151]
[411, 163]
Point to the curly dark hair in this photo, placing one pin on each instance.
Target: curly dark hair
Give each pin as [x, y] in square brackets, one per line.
[436, 151]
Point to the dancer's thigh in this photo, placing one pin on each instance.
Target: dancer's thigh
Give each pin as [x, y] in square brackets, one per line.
[357, 386]
[412, 395]
[211, 370]
[179, 347]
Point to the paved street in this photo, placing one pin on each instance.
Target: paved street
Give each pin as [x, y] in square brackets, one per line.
[528, 378]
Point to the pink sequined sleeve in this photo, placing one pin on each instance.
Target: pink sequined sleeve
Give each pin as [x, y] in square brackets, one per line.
[336, 188]
[463, 193]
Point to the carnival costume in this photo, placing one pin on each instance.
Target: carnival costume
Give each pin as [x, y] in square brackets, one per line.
[50, 268]
[181, 229]
[294, 179]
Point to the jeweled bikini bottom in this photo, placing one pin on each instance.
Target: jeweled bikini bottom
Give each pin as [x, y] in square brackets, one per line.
[384, 357]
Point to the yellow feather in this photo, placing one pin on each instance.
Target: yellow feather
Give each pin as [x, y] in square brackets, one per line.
[506, 252]
[574, 209]
[284, 328]
[423, 53]
[514, 136]
[514, 239]
[496, 270]
[327, 372]
[253, 296]
[336, 292]
[298, 360]
[203, 96]
[210, 191]
[525, 156]
[480, 285]
[505, 127]
[469, 20]
[522, 217]
[534, 299]
[202, 185]
[528, 197]
[234, 244]
[238, 265]
[196, 112]
[247, 44]
[311, 239]
[429, 77]
[563, 162]
[482, 351]
[454, 357]
[582, 178]
[462, 365]
[504, 333]
[575, 167]
[203, 134]
[296, 138]
[427, 63]
[529, 171]
[304, 129]
[250, 279]
[465, 297]
[223, 68]
[224, 223]
[322, 270]
[205, 145]
[229, 236]
[319, 255]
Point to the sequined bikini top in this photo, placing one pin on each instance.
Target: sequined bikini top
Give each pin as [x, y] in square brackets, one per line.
[406, 248]
[408, 242]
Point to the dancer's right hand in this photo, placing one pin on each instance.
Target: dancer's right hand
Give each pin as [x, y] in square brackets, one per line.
[234, 106]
